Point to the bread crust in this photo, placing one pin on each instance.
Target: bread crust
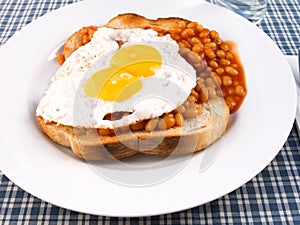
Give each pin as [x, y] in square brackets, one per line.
[195, 134]
[131, 20]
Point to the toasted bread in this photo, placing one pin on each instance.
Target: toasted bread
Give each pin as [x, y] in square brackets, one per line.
[130, 20]
[194, 135]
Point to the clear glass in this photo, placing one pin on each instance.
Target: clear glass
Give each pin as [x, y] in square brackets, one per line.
[253, 10]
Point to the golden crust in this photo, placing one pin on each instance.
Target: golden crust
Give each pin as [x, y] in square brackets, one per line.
[195, 135]
[130, 20]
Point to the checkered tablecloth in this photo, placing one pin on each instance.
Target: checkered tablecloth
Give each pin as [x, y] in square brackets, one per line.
[272, 197]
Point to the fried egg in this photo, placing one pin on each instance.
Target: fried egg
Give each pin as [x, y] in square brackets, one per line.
[119, 70]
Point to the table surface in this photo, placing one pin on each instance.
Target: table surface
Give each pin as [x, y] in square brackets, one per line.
[272, 197]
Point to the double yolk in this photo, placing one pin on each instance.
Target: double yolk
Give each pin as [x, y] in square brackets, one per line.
[123, 77]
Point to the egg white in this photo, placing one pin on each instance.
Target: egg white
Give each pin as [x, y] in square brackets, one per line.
[65, 102]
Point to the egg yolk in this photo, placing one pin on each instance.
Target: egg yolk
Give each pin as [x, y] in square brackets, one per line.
[123, 78]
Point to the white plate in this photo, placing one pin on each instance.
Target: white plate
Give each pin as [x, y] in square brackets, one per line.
[255, 135]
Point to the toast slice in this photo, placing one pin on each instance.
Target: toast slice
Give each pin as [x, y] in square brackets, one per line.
[194, 135]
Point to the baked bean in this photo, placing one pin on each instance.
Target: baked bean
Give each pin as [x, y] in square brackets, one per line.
[224, 62]
[175, 30]
[224, 47]
[213, 64]
[192, 25]
[220, 70]
[185, 44]
[211, 45]
[175, 37]
[209, 53]
[179, 119]
[239, 90]
[182, 44]
[230, 70]
[138, 126]
[206, 40]
[60, 59]
[151, 124]
[221, 61]
[166, 122]
[227, 81]
[218, 41]
[161, 125]
[229, 56]
[195, 40]
[234, 65]
[199, 28]
[221, 54]
[214, 35]
[204, 33]
[186, 33]
[230, 102]
[198, 48]
[168, 115]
